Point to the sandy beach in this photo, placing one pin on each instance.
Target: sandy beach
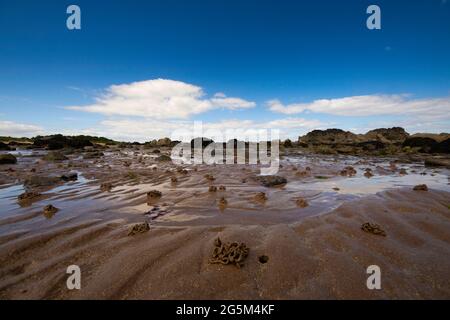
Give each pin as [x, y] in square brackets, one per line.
[314, 248]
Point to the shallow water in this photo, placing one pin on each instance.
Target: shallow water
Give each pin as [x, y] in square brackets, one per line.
[189, 200]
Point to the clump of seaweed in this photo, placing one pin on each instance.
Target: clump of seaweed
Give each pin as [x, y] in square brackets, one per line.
[139, 228]
[28, 196]
[368, 173]
[154, 194]
[229, 253]
[373, 228]
[348, 171]
[421, 187]
[260, 196]
[50, 211]
[106, 187]
[223, 203]
[301, 203]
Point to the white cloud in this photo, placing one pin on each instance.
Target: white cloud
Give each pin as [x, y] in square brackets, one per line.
[370, 105]
[159, 99]
[232, 103]
[148, 129]
[14, 129]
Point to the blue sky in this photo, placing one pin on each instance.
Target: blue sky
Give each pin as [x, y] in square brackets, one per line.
[290, 65]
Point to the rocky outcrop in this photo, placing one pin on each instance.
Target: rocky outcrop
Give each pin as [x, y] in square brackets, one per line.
[423, 144]
[394, 135]
[384, 141]
[4, 146]
[443, 147]
[164, 142]
[437, 162]
[7, 159]
[58, 141]
[329, 137]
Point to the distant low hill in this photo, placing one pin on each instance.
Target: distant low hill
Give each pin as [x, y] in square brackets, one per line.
[382, 141]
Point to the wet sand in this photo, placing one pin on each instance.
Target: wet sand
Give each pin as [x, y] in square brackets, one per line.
[317, 251]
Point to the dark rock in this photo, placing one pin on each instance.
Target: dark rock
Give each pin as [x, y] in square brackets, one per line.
[435, 162]
[7, 159]
[421, 187]
[71, 176]
[442, 147]
[393, 135]
[371, 145]
[29, 196]
[55, 156]
[40, 181]
[58, 141]
[50, 210]
[53, 145]
[164, 142]
[271, 181]
[4, 146]
[329, 136]
[288, 143]
[424, 144]
[163, 158]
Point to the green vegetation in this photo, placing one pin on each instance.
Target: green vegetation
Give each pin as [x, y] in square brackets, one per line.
[15, 139]
[58, 140]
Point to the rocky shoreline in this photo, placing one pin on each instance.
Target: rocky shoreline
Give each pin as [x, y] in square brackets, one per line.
[141, 227]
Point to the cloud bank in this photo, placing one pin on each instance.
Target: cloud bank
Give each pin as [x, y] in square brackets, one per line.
[147, 129]
[370, 105]
[160, 99]
[14, 129]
